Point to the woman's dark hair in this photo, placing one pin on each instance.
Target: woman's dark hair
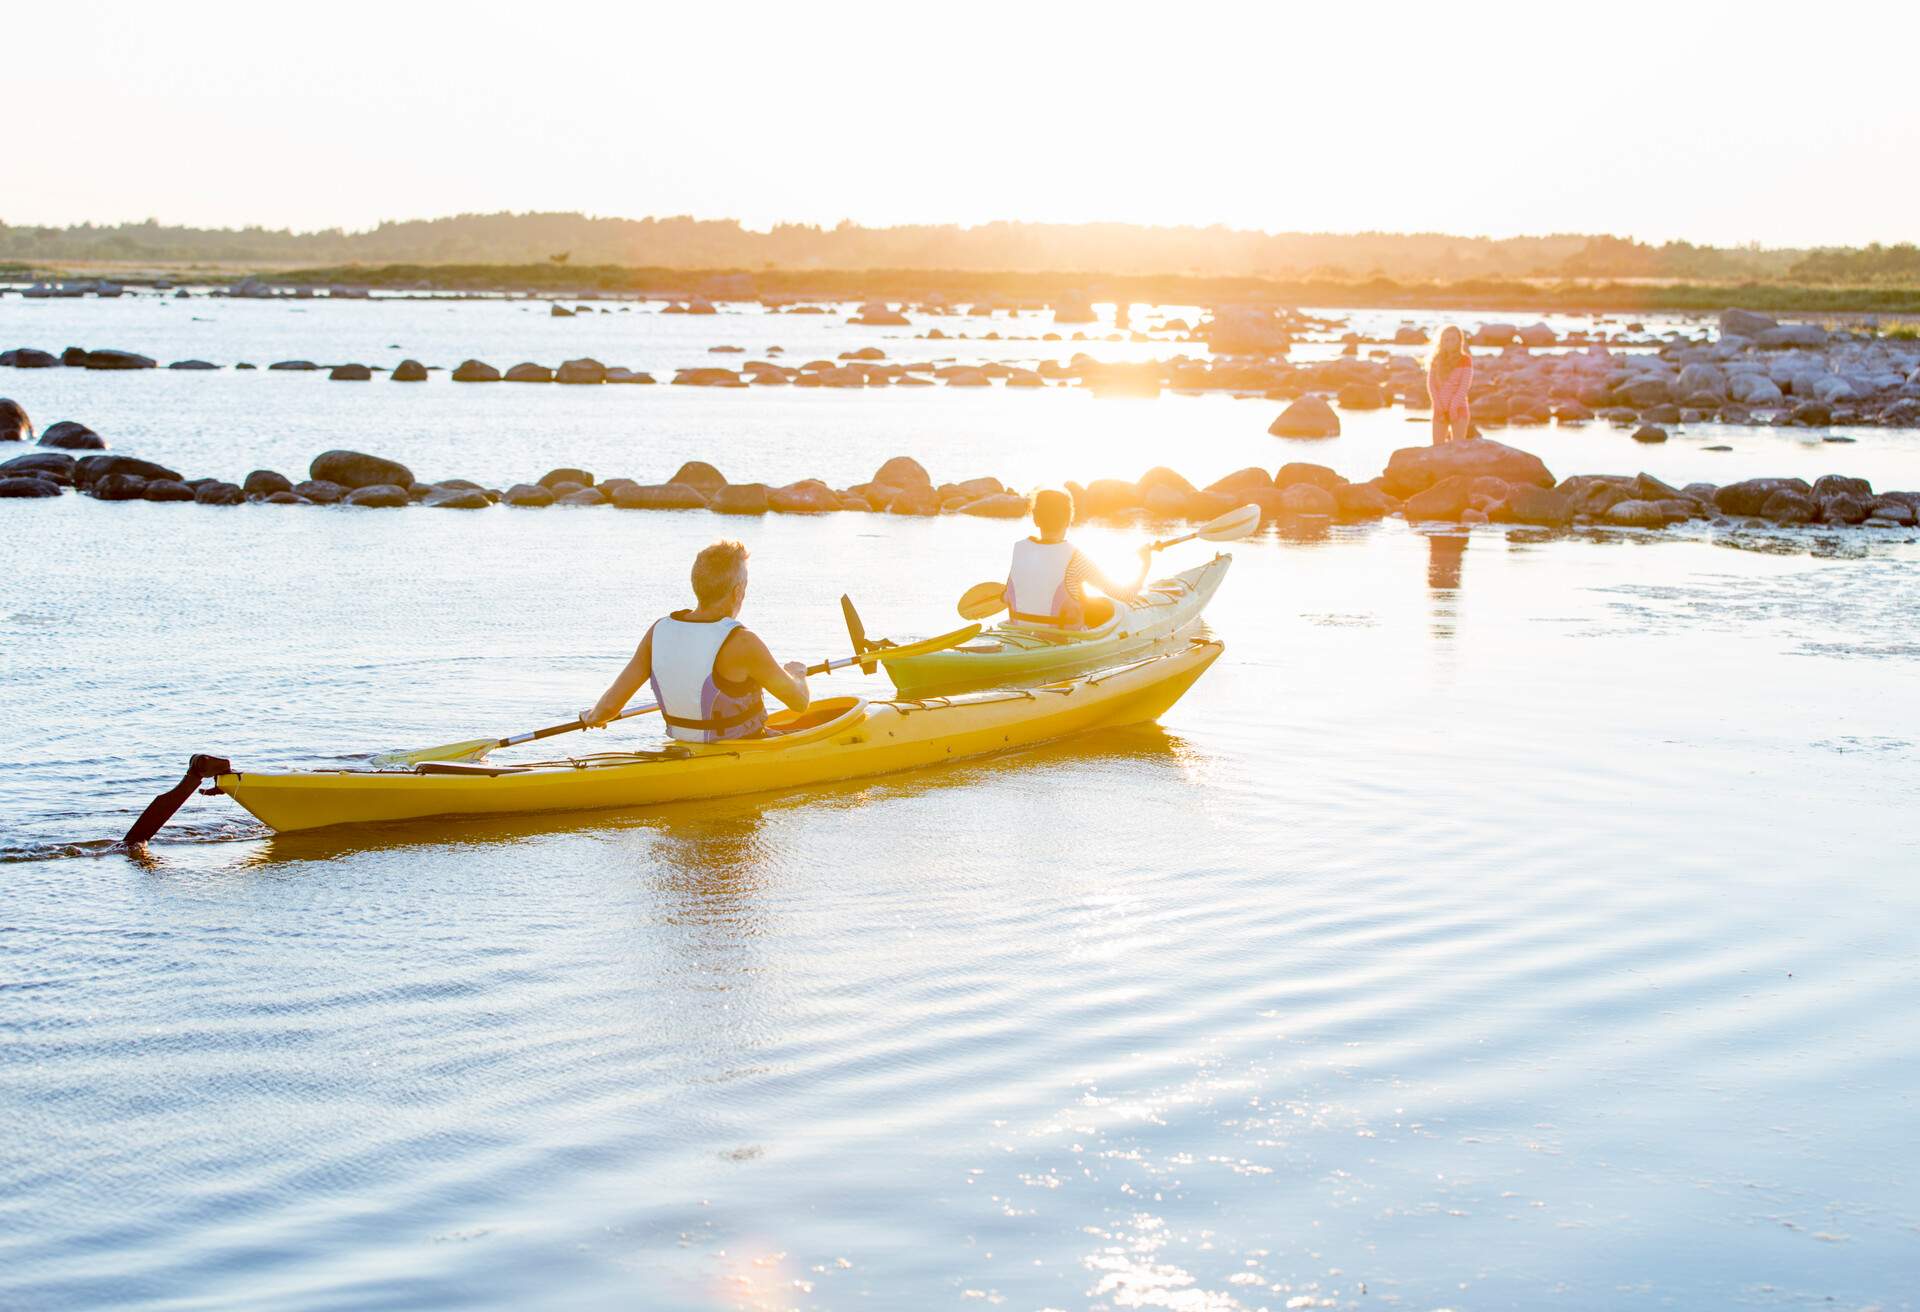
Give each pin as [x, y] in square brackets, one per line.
[1052, 509]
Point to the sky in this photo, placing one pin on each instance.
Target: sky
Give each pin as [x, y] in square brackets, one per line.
[1785, 125]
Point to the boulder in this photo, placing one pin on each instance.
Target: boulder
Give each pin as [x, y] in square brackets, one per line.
[1362, 501]
[351, 469]
[660, 496]
[1112, 496]
[1745, 323]
[618, 375]
[26, 357]
[1243, 481]
[528, 494]
[903, 472]
[1496, 334]
[1701, 380]
[442, 497]
[1833, 485]
[116, 360]
[699, 474]
[914, 501]
[1298, 472]
[1748, 496]
[1650, 433]
[1793, 336]
[322, 491]
[582, 371]
[878, 314]
[1202, 506]
[1008, 505]
[286, 499]
[1162, 477]
[409, 371]
[1415, 469]
[1844, 508]
[475, 371]
[23, 486]
[529, 373]
[554, 477]
[1538, 334]
[1310, 416]
[1643, 392]
[1444, 500]
[1755, 389]
[972, 488]
[89, 468]
[70, 436]
[49, 465]
[292, 367]
[118, 487]
[14, 424]
[708, 377]
[351, 373]
[1811, 414]
[1361, 396]
[741, 499]
[586, 496]
[265, 482]
[193, 366]
[1544, 506]
[809, 496]
[1409, 335]
[1788, 506]
[1307, 499]
[1639, 514]
[378, 496]
[216, 493]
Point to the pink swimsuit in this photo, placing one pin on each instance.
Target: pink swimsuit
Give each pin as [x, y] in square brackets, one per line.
[1449, 393]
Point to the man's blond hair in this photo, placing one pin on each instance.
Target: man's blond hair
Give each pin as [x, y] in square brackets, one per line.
[718, 570]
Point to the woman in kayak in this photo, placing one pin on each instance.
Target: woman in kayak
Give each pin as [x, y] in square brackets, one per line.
[1449, 375]
[707, 669]
[1047, 582]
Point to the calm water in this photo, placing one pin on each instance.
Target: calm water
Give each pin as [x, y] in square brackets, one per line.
[1502, 923]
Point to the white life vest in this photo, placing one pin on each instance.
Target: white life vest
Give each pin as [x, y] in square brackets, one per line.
[696, 709]
[1037, 583]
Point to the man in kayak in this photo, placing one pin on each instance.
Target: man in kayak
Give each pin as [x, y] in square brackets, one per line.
[1047, 582]
[707, 669]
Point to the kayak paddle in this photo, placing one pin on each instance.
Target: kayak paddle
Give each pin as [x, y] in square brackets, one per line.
[984, 599]
[476, 748]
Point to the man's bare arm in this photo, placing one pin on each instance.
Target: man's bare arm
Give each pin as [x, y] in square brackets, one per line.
[625, 685]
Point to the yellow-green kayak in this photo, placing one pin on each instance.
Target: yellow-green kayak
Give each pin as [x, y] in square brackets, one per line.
[841, 738]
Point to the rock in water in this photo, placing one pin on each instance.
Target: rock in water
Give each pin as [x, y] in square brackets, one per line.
[351, 373]
[89, 468]
[903, 472]
[351, 469]
[166, 489]
[554, 477]
[1310, 416]
[660, 496]
[216, 493]
[457, 498]
[116, 360]
[476, 371]
[14, 424]
[379, 496]
[70, 436]
[581, 371]
[740, 499]
[808, 497]
[1746, 323]
[528, 494]
[321, 491]
[409, 371]
[28, 487]
[699, 474]
[1415, 469]
[1246, 330]
[49, 465]
[1650, 433]
[263, 483]
[1305, 499]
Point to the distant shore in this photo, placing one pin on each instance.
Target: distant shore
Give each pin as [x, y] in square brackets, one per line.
[1019, 288]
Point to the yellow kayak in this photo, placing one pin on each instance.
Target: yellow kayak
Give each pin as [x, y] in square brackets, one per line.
[839, 738]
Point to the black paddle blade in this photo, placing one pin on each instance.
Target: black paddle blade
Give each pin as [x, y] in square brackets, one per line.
[858, 632]
[161, 809]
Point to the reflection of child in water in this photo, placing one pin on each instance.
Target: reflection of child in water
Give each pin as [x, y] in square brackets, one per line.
[1449, 375]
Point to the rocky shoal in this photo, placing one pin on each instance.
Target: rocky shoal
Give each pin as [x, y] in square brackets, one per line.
[1468, 482]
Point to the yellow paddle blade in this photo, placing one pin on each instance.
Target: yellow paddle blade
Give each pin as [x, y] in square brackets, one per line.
[982, 600]
[471, 750]
[925, 645]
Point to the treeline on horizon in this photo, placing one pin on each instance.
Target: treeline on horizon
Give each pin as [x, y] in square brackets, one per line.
[1093, 248]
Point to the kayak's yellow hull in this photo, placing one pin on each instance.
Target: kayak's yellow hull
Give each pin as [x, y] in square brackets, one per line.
[871, 739]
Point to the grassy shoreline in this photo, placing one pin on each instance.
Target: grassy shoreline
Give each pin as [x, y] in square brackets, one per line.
[1030, 288]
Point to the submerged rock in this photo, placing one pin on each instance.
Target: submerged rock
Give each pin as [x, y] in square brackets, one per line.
[321, 491]
[378, 496]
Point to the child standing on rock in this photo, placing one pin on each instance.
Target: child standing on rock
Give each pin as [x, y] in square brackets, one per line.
[1449, 375]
